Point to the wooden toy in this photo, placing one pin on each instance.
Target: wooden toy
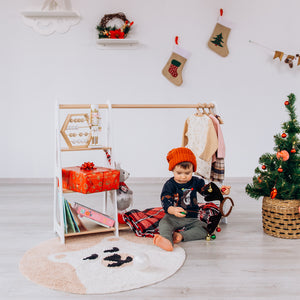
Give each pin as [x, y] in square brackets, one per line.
[95, 125]
[76, 131]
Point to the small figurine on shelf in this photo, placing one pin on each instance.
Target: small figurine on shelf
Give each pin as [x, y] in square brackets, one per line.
[95, 125]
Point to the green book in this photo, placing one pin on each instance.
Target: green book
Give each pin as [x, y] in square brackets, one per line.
[70, 224]
[72, 216]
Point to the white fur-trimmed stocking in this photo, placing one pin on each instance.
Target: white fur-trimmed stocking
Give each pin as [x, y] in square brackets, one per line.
[173, 69]
[218, 39]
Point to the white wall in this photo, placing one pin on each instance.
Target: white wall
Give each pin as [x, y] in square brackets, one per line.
[248, 86]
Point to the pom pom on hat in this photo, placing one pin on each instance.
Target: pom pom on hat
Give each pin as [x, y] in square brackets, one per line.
[178, 155]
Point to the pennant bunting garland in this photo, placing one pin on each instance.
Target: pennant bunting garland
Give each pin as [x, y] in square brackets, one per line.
[279, 54]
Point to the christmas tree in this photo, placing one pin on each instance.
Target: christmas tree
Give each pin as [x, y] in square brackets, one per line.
[279, 173]
[218, 40]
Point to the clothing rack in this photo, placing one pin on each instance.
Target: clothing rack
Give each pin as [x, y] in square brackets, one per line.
[198, 106]
[86, 106]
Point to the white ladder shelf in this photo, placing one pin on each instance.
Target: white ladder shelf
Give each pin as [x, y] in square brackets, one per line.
[59, 226]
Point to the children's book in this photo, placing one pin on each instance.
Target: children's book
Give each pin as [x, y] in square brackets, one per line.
[77, 220]
[70, 225]
[70, 217]
[93, 215]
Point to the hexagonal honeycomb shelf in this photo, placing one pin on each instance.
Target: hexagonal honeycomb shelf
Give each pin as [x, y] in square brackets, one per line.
[76, 131]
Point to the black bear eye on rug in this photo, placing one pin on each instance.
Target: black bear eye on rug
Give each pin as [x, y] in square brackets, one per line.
[100, 264]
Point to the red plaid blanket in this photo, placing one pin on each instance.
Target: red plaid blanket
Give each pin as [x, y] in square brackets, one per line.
[145, 223]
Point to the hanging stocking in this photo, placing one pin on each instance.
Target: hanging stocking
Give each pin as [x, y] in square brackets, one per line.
[173, 69]
[218, 39]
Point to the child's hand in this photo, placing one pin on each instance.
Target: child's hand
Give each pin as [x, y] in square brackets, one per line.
[225, 189]
[177, 211]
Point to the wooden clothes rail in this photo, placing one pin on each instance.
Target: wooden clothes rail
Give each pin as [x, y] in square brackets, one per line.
[84, 106]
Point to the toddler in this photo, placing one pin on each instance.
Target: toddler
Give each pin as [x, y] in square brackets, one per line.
[179, 201]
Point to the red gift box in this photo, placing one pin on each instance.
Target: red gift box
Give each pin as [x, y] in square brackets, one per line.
[98, 179]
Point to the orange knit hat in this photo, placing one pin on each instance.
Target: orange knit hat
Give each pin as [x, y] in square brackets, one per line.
[178, 155]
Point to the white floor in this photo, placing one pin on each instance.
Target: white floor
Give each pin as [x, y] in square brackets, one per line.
[242, 263]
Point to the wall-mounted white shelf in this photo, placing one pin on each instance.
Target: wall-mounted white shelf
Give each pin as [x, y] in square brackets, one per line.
[48, 22]
[45, 14]
[117, 43]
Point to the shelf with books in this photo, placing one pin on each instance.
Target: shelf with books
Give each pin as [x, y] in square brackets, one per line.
[67, 220]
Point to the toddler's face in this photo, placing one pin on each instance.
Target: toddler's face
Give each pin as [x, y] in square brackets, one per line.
[182, 175]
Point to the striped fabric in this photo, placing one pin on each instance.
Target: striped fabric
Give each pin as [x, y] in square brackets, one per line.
[218, 170]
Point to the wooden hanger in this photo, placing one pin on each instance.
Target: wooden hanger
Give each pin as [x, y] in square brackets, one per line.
[210, 107]
[203, 106]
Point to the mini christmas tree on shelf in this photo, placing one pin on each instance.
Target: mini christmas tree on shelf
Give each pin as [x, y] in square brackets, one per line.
[279, 173]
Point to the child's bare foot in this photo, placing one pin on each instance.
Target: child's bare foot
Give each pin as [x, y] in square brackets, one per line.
[177, 237]
[162, 242]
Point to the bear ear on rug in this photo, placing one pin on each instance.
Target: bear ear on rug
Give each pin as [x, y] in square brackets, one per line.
[211, 192]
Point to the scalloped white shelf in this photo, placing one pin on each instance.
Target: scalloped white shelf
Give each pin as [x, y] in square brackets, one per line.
[48, 22]
[117, 43]
[45, 14]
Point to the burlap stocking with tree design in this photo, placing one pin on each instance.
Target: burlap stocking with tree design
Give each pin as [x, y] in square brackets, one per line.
[173, 69]
[219, 37]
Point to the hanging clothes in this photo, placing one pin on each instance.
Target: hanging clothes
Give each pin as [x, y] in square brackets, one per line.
[218, 162]
[200, 136]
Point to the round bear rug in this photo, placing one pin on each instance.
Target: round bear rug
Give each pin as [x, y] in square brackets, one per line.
[100, 264]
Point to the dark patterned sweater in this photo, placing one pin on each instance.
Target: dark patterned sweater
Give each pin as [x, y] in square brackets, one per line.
[183, 195]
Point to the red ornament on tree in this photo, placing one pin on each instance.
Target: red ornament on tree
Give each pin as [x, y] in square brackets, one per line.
[280, 170]
[263, 167]
[293, 150]
[284, 155]
[284, 135]
[273, 193]
[286, 102]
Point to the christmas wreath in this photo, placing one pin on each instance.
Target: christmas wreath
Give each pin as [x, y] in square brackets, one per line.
[114, 32]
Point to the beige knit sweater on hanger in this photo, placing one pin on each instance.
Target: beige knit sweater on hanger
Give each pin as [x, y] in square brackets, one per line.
[200, 136]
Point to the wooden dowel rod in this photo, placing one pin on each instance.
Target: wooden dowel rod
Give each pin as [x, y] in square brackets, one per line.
[84, 106]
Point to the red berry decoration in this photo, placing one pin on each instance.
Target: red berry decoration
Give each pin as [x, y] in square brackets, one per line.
[286, 102]
[293, 150]
[280, 170]
[284, 135]
[263, 167]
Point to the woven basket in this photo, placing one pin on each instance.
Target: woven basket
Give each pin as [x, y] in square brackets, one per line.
[281, 218]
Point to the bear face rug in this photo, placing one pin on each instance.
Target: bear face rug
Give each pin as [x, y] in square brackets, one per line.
[100, 264]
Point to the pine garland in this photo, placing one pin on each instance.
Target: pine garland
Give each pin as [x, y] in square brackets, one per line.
[277, 176]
